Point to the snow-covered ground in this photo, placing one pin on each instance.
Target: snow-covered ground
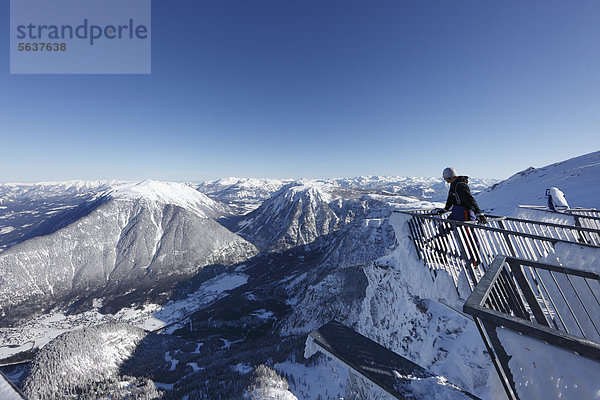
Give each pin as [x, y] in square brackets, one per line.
[416, 316]
[545, 372]
[578, 178]
[325, 378]
[410, 313]
[96, 355]
[268, 385]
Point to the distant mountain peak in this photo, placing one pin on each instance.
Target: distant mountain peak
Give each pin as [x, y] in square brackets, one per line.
[313, 190]
[178, 194]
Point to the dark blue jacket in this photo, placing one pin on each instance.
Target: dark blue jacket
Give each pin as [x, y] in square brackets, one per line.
[461, 200]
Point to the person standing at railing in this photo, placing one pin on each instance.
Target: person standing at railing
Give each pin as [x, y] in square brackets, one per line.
[460, 201]
[463, 207]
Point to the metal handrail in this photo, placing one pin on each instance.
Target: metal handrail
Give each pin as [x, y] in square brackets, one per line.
[553, 224]
[465, 250]
[488, 227]
[509, 287]
[584, 217]
[12, 391]
[556, 304]
[572, 209]
[571, 233]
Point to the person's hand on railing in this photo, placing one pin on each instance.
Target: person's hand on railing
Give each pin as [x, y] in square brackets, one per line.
[439, 211]
[481, 218]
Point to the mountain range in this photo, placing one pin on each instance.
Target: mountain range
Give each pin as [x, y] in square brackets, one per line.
[251, 266]
[133, 240]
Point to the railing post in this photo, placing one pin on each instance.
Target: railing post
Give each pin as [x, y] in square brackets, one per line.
[500, 361]
[464, 255]
[528, 293]
[506, 237]
[514, 302]
[415, 239]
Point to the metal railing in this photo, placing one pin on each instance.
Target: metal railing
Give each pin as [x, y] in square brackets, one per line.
[569, 233]
[584, 217]
[588, 219]
[555, 304]
[465, 250]
[9, 390]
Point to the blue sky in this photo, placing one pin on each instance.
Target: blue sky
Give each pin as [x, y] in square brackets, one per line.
[277, 88]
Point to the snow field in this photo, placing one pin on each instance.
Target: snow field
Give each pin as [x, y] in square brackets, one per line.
[577, 178]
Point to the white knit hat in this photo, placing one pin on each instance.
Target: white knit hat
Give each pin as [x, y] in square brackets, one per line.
[449, 172]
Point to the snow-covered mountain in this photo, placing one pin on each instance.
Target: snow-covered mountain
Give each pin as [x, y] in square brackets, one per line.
[95, 357]
[176, 194]
[246, 194]
[267, 385]
[432, 189]
[302, 212]
[243, 194]
[294, 216]
[578, 178]
[34, 209]
[45, 191]
[115, 361]
[335, 251]
[283, 275]
[394, 301]
[135, 240]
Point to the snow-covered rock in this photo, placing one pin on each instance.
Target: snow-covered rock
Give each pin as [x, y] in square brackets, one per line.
[49, 190]
[424, 188]
[243, 194]
[396, 302]
[294, 216]
[246, 194]
[362, 268]
[36, 209]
